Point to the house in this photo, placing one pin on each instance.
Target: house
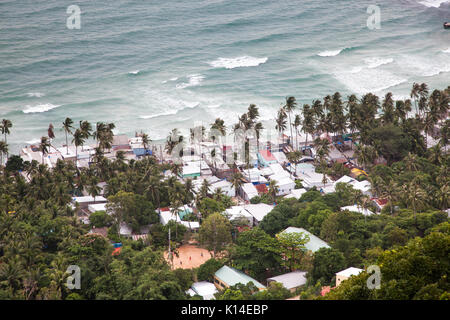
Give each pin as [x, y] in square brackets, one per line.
[379, 203]
[85, 201]
[125, 230]
[296, 193]
[258, 211]
[225, 186]
[249, 191]
[262, 189]
[285, 184]
[314, 243]
[190, 170]
[120, 142]
[265, 158]
[358, 209]
[347, 273]
[278, 170]
[204, 289]
[291, 281]
[226, 277]
[254, 213]
[97, 207]
[281, 157]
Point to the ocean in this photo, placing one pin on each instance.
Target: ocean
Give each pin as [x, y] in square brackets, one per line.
[156, 65]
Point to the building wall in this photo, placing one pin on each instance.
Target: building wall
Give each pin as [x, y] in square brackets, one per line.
[339, 279]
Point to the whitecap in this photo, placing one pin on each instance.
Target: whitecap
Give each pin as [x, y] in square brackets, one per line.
[375, 62]
[168, 113]
[239, 62]
[40, 108]
[330, 53]
[446, 50]
[433, 3]
[34, 141]
[193, 80]
[134, 72]
[35, 94]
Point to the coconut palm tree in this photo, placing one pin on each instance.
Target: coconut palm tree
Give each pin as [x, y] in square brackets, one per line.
[78, 140]
[297, 123]
[253, 113]
[415, 94]
[3, 151]
[290, 106]
[44, 146]
[365, 155]
[411, 163]
[5, 126]
[173, 140]
[219, 125]
[387, 107]
[93, 187]
[281, 121]
[85, 129]
[414, 195]
[273, 189]
[389, 191]
[237, 181]
[258, 128]
[67, 127]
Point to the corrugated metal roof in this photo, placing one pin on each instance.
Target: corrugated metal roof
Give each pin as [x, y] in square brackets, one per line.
[314, 242]
[231, 277]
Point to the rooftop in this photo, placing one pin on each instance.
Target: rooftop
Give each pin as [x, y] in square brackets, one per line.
[267, 155]
[314, 243]
[291, 280]
[352, 271]
[231, 277]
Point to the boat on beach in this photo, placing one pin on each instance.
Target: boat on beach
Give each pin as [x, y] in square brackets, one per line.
[446, 25]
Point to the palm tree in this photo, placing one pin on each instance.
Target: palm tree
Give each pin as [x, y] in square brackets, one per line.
[4, 128]
[281, 121]
[173, 140]
[273, 190]
[297, 123]
[258, 128]
[387, 106]
[290, 105]
[145, 141]
[411, 163]
[365, 155]
[93, 188]
[390, 193]
[85, 129]
[78, 140]
[3, 151]
[237, 181]
[414, 195]
[219, 125]
[67, 126]
[252, 114]
[415, 94]
[44, 146]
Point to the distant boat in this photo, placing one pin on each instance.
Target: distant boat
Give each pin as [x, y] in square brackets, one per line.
[446, 25]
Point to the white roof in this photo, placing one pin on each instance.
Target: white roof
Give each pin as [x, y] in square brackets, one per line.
[190, 224]
[280, 156]
[291, 280]
[97, 207]
[355, 208]
[221, 184]
[258, 211]
[167, 216]
[344, 179]
[204, 289]
[282, 180]
[88, 199]
[364, 185]
[296, 193]
[250, 190]
[125, 229]
[314, 243]
[236, 212]
[191, 168]
[277, 169]
[352, 271]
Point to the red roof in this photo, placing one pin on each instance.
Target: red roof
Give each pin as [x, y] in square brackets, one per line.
[261, 188]
[165, 209]
[267, 155]
[381, 202]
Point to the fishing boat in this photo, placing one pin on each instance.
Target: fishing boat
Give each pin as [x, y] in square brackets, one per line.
[446, 25]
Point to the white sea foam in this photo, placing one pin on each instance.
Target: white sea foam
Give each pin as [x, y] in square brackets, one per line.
[433, 3]
[33, 141]
[40, 108]
[368, 80]
[168, 113]
[375, 62]
[239, 62]
[35, 94]
[134, 72]
[193, 80]
[446, 50]
[330, 53]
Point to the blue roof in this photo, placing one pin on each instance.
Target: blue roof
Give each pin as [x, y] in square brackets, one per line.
[232, 276]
